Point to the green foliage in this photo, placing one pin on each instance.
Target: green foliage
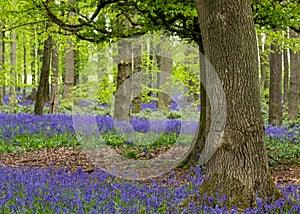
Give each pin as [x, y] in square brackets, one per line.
[276, 14]
[283, 152]
[26, 142]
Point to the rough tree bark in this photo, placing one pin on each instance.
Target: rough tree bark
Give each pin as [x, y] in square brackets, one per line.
[275, 96]
[239, 166]
[44, 78]
[293, 100]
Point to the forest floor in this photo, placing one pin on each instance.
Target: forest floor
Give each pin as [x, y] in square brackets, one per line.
[72, 159]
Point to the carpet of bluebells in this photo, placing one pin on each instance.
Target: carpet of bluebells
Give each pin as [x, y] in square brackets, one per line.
[31, 190]
[57, 191]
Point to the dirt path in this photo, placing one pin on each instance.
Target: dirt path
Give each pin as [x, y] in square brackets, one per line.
[88, 160]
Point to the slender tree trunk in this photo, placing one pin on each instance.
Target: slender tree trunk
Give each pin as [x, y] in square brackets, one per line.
[264, 62]
[76, 66]
[239, 166]
[44, 78]
[33, 67]
[2, 61]
[275, 97]
[70, 63]
[285, 77]
[293, 100]
[25, 71]
[122, 95]
[137, 83]
[13, 61]
[54, 81]
[69, 71]
[165, 64]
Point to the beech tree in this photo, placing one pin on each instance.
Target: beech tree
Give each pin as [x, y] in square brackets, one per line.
[44, 77]
[293, 100]
[275, 101]
[239, 167]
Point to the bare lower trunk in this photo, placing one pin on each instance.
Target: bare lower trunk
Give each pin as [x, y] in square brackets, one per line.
[33, 69]
[293, 100]
[275, 97]
[165, 64]
[25, 72]
[13, 61]
[264, 62]
[2, 61]
[137, 83]
[69, 71]
[44, 78]
[123, 93]
[54, 82]
[239, 167]
[285, 76]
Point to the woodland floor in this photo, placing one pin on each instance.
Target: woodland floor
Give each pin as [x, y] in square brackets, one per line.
[72, 159]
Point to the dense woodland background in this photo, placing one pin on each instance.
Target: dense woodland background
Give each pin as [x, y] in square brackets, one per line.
[138, 62]
[45, 45]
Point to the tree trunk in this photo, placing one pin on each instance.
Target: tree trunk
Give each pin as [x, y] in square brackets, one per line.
[165, 64]
[137, 83]
[54, 81]
[69, 71]
[293, 100]
[13, 61]
[76, 66]
[264, 62]
[239, 166]
[122, 95]
[33, 67]
[25, 71]
[285, 77]
[2, 61]
[275, 97]
[44, 78]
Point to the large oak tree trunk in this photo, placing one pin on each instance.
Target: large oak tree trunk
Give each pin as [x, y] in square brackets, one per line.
[239, 166]
[44, 78]
[275, 97]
